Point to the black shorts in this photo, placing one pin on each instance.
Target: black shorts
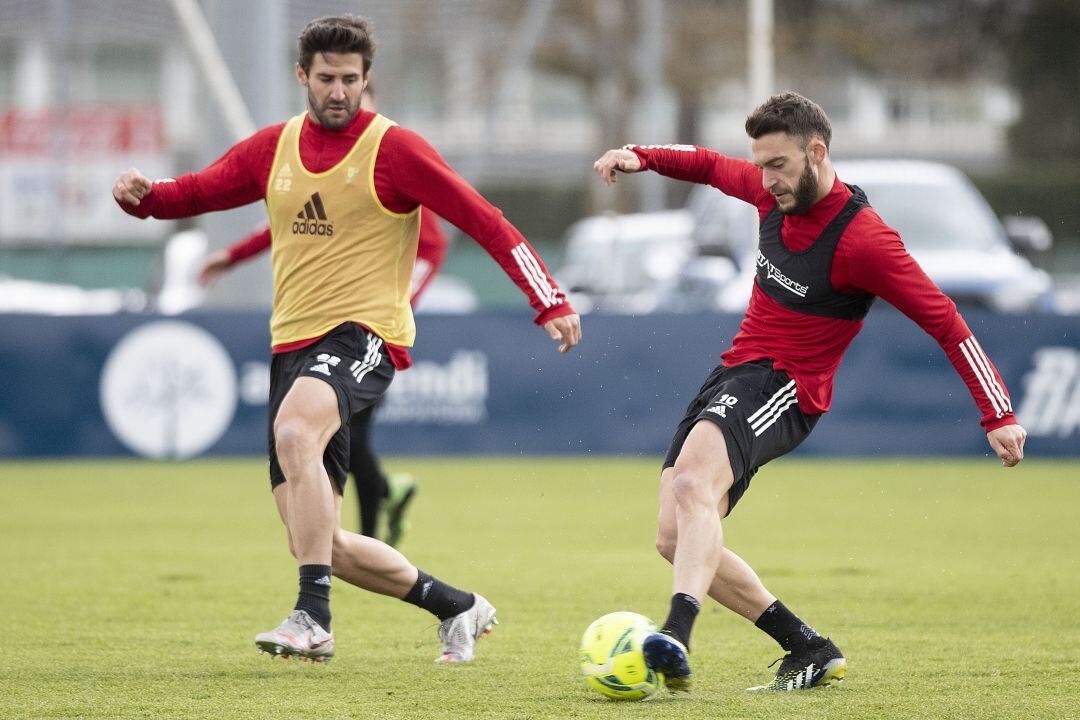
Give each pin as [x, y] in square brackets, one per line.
[351, 360]
[755, 407]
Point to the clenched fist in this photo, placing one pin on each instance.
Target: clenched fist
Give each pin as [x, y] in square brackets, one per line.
[131, 187]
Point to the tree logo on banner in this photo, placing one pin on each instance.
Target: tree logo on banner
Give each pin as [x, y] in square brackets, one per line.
[168, 390]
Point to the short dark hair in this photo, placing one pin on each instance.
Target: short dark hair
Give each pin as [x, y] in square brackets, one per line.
[337, 34]
[791, 113]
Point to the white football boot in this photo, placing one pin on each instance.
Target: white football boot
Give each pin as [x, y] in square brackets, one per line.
[460, 633]
[298, 636]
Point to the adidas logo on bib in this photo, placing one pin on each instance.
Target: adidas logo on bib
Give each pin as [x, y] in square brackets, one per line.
[312, 219]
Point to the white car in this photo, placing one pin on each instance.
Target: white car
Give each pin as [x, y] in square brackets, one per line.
[951, 231]
[625, 263]
[945, 223]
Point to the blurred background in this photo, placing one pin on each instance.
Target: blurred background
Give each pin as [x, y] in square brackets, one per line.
[520, 96]
[961, 119]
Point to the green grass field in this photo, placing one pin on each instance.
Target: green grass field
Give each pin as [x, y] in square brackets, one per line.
[133, 590]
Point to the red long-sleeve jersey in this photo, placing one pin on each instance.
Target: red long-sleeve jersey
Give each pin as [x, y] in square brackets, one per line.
[430, 251]
[869, 258]
[408, 172]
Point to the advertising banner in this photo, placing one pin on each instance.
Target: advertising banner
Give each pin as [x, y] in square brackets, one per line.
[197, 384]
[53, 165]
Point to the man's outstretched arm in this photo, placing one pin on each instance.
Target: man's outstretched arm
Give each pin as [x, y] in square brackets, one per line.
[421, 177]
[732, 176]
[879, 263]
[236, 178]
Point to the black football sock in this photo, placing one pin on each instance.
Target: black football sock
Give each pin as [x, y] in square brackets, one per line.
[785, 628]
[370, 491]
[364, 465]
[680, 620]
[438, 598]
[314, 595]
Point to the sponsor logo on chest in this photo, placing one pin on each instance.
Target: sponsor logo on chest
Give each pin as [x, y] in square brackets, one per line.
[768, 271]
[312, 219]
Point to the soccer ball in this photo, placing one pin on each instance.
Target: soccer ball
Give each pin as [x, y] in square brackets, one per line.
[611, 657]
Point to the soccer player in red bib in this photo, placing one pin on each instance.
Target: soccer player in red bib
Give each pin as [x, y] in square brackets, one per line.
[824, 255]
[343, 189]
[378, 493]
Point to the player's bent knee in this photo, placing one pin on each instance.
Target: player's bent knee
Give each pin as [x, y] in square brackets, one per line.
[692, 488]
[293, 438]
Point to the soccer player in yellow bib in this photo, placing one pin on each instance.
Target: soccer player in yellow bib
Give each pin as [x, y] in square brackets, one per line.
[343, 189]
[379, 494]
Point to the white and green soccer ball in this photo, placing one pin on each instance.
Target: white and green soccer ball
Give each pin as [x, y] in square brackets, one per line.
[611, 657]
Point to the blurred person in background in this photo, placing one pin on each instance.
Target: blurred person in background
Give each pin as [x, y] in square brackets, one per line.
[379, 495]
[823, 257]
[343, 189]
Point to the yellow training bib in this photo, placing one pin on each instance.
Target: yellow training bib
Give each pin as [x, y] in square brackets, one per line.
[338, 254]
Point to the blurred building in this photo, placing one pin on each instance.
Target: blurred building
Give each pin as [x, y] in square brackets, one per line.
[88, 89]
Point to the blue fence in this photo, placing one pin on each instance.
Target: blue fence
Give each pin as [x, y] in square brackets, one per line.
[493, 383]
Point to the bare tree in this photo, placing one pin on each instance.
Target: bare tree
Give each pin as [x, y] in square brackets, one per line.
[593, 41]
[1044, 67]
[706, 45]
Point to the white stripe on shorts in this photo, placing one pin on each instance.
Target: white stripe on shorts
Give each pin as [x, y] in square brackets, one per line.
[767, 407]
[788, 401]
[371, 360]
